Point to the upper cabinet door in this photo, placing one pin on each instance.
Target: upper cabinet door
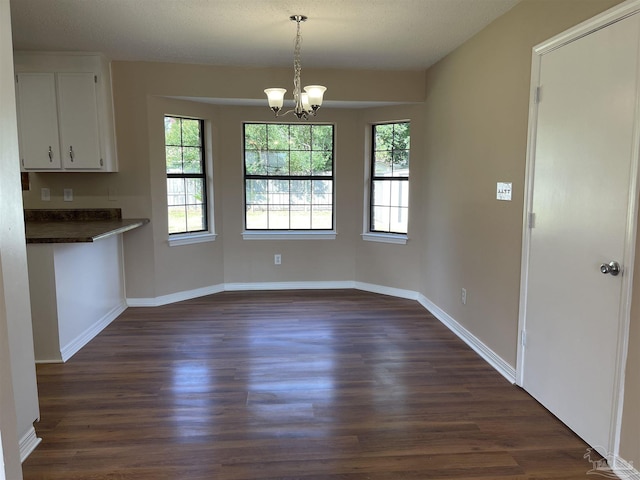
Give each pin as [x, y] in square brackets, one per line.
[38, 121]
[65, 112]
[78, 121]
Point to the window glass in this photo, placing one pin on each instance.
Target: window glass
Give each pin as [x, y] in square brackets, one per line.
[389, 188]
[288, 175]
[186, 175]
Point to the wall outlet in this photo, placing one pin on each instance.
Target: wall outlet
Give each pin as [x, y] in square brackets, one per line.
[68, 194]
[277, 259]
[463, 296]
[45, 194]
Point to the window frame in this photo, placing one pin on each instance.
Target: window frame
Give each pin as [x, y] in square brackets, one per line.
[383, 236]
[289, 233]
[208, 233]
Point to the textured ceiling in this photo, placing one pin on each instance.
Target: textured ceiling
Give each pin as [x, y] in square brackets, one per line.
[379, 34]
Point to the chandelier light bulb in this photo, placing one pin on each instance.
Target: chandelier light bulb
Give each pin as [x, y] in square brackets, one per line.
[315, 93]
[306, 104]
[275, 96]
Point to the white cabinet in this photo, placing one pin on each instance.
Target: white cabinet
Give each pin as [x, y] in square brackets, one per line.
[38, 121]
[78, 121]
[65, 113]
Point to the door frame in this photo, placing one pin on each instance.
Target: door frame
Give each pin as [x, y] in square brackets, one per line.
[598, 22]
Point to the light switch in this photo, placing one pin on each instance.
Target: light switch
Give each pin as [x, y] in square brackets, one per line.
[504, 191]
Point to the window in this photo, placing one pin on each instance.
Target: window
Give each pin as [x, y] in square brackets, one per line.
[389, 189]
[186, 175]
[288, 176]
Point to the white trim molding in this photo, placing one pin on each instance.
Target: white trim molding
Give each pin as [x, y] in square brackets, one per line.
[391, 291]
[28, 443]
[48, 360]
[191, 238]
[398, 239]
[70, 349]
[235, 287]
[491, 357]
[175, 297]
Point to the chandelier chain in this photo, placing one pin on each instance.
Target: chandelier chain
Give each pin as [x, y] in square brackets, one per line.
[297, 66]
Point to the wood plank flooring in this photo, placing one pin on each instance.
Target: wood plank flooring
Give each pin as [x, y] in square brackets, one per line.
[296, 385]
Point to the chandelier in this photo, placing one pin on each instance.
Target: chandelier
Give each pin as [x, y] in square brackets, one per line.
[308, 102]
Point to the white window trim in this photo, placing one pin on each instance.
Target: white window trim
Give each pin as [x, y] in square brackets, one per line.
[296, 234]
[191, 238]
[210, 235]
[396, 238]
[289, 235]
[369, 235]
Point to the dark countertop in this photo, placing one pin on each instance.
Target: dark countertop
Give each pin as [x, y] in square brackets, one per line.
[76, 226]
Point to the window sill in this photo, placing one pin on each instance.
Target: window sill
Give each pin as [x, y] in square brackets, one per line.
[191, 238]
[398, 239]
[288, 235]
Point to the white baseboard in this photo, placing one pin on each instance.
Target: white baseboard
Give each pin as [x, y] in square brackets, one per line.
[491, 357]
[229, 287]
[288, 286]
[28, 443]
[175, 297]
[381, 289]
[48, 360]
[70, 349]
[625, 470]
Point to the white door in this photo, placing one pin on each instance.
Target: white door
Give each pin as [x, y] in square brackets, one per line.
[582, 168]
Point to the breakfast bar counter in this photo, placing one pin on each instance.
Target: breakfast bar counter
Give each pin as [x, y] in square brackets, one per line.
[76, 226]
[76, 276]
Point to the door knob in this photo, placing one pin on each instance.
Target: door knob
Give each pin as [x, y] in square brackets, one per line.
[612, 268]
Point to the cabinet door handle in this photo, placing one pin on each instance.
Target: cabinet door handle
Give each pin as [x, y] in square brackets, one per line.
[71, 152]
[50, 154]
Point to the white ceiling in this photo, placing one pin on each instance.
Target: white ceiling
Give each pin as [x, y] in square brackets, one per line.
[378, 34]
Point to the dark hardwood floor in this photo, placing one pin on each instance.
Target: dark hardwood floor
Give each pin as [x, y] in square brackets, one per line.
[306, 385]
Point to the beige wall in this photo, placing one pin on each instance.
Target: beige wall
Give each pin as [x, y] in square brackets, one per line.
[302, 260]
[183, 267]
[391, 265]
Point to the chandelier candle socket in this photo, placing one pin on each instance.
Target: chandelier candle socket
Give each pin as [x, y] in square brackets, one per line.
[307, 103]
